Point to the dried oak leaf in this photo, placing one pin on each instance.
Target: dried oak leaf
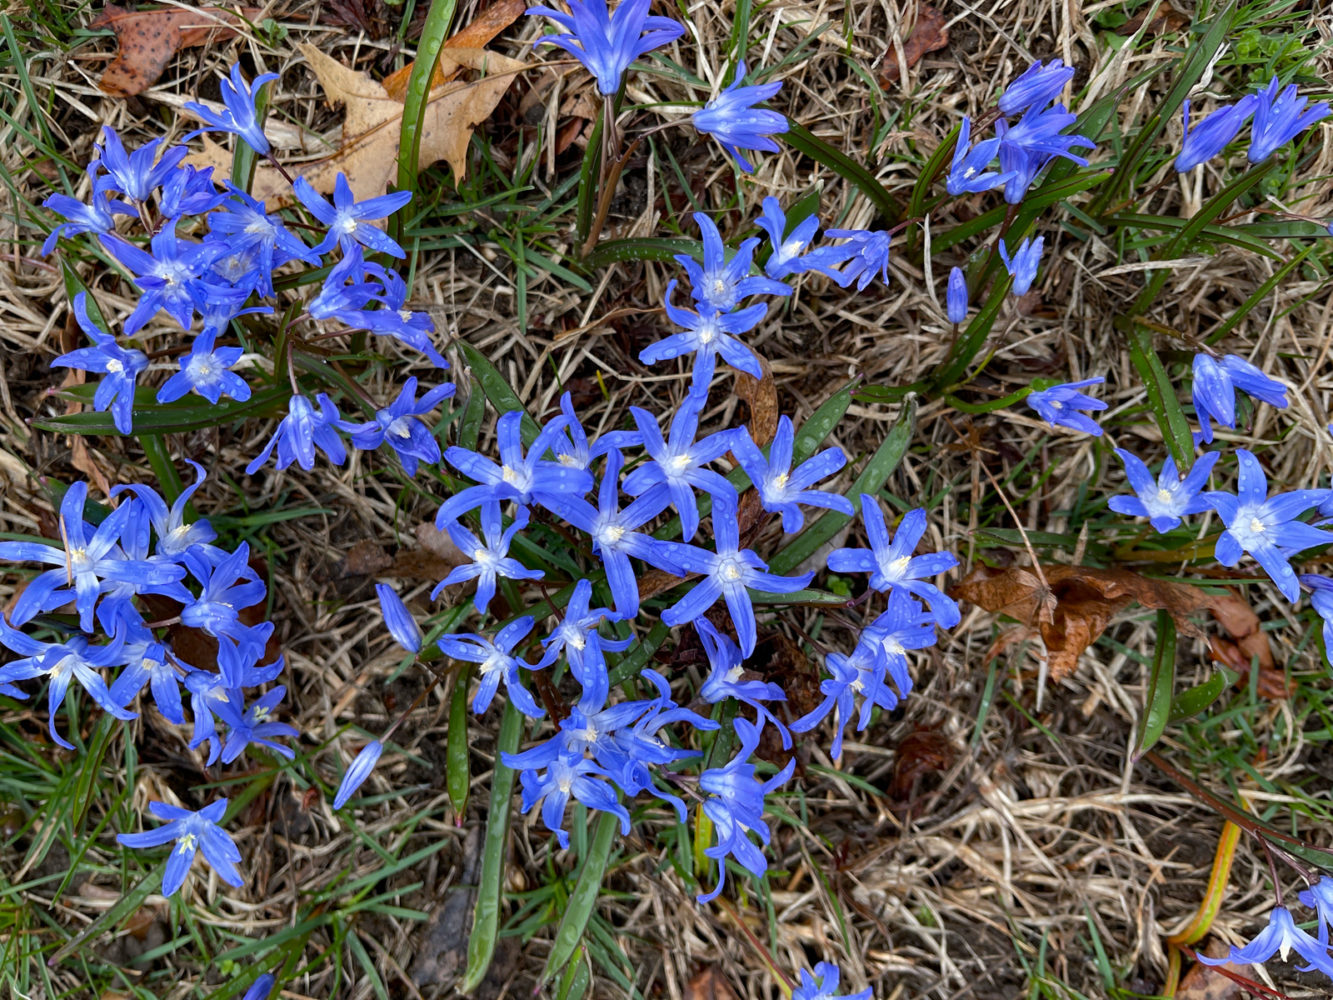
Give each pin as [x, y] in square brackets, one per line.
[930, 33]
[480, 32]
[147, 39]
[1081, 601]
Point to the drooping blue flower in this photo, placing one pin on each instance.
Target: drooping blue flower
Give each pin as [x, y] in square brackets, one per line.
[166, 276]
[1037, 138]
[300, 432]
[146, 662]
[1036, 87]
[189, 191]
[497, 662]
[193, 832]
[349, 220]
[870, 255]
[733, 120]
[891, 561]
[120, 366]
[346, 293]
[1211, 135]
[1022, 267]
[1215, 385]
[956, 296]
[735, 804]
[1321, 599]
[398, 620]
[135, 175]
[729, 573]
[577, 636]
[60, 663]
[615, 538]
[1266, 527]
[677, 464]
[490, 559]
[720, 283]
[523, 478]
[1279, 118]
[87, 565]
[782, 490]
[400, 425]
[726, 668]
[98, 216]
[238, 116]
[1168, 498]
[968, 173]
[206, 371]
[789, 256]
[860, 673]
[1058, 405]
[395, 320]
[227, 589]
[706, 334]
[358, 773]
[606, 43]
[1279, 937]
[1320, 897]
[245, 226]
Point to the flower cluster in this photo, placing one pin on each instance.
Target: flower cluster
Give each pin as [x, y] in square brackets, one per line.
[1278, 118]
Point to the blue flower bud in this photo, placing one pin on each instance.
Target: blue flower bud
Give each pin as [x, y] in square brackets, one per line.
[956, 299]
[359, 771]
[402, 626]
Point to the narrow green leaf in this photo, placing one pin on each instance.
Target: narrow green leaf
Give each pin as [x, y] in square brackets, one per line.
[804, 141]
[576, 980]
[433, 33]
[151, 417]
[1157, 707]
[871, 479]
[486, 915]
[1192, 701]
[1260, 293]
[497, 389]
[159, 457]
[819, 425]
[916, 205]
[469, 428]
[584, 897]
[659, 248]
[1162, 398]
[588, 186]
[458, 776]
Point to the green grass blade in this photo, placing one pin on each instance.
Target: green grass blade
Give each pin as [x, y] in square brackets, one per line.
[433, 33]
[804, 141]
[662, 249]
[584, 897]
[1157, 706]
[1162, 399]
[1260, 293]
[457, 768]
[151, 417]
[819, 425]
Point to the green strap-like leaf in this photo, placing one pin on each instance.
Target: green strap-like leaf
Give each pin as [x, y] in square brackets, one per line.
[1157, 706]
[584, 897]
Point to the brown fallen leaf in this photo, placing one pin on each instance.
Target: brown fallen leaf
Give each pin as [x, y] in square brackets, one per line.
[709, 984]
[368, 151]
[929, 34]
[761, 398]
[1167, 18]
[923, 751]
[479, 33]
[1211, 982]
[1085, 599]
[147, 39]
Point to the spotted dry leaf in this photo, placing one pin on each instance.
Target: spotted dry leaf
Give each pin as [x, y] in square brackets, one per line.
[147, 39]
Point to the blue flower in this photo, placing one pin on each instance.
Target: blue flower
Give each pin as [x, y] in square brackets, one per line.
[193, 832]
[891, 562]
[676, 468]
[1167, 499]
[135, 175]
[732, 119]
[359, 771]
[708, 333]
[260, 988]
[400, 424]
[189, 191]
[60, 663]
[1321, 599]
[1320, 897]
[862, 672]
[566, 776]
[573, 449]
[578, 639]
[607, 43]
[735, 804]
[1215, 384]
[206, 371]
[300, 432]
[253, 725]
[228, 588]
[724, 679]
[870, 253]
[1038, 86]
[397, 321]
[956, 296]
[176, 537]
[615, 538]
[120, 365]
[337, 299]
[1211, 135]
[1027, 147]
[166, 276]
[238, 116]
[904, 625]
[517, 477]
[96, 217]
[780, 489]
[489, 560]
[967, 172]
[1279, 118]
[1279, 937]
[730, 573]
[1266, 527]
[245, 226]
[349, 220]
[1058, 405]
[497, 663]
[720, 283]
[398, 620]
[148, 663]
[788, 256]
[1023, 266]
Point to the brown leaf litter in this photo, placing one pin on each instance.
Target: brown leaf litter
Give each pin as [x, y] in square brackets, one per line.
[147, 39]
[929, 34]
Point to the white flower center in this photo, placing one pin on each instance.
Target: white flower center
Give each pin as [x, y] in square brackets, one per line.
[679, 463]
[114, 367]
[345, 225]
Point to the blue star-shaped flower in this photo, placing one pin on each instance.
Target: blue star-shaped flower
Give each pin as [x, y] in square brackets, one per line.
[860, 673]
[869, 254]
[824, 983]
[245, 226]
[135, 175]
[206, 371]
[400, 425]
[1279, 937]
[1036, 87]
[253, 725]
[98, 216]
[1022, 267]
[1215, 385]
[1025, 148]
[732, 119]
[490, 559]
[121, 367]
[968, 173]
[1279, 118]
[780, 489]
[496, 662]
[606, 43]
[1210, 136]
[166, 276]
[349, 220]
[1058, 405]
[789, 256]
[725, 679]
[720, 283]
[707, 334]
[1167, 499]
[300, 432]
[238, 116]
[577, 637]
[193, 832]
